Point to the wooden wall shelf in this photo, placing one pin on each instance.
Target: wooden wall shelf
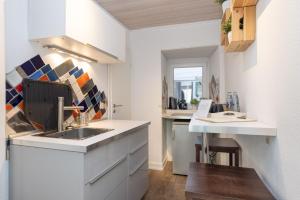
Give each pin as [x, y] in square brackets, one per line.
[243, 25]
[243, 3]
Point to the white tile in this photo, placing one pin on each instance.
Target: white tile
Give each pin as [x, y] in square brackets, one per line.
[12, 112]
[91, 114]
[14, 78]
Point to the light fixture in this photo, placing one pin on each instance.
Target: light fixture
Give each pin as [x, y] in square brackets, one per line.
[70, 53]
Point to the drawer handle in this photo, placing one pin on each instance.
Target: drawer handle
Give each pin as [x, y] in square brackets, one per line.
[138, 167]
[107, 170]
[138, 148]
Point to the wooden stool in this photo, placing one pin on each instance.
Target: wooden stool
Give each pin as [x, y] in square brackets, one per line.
[224, 145]
[215, 182]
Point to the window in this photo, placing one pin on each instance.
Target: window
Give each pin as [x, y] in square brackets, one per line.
[188, 83]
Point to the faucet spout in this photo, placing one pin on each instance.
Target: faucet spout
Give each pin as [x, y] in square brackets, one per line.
[61, 109]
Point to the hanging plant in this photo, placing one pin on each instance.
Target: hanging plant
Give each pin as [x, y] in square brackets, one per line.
[220, 1]
[227, 26]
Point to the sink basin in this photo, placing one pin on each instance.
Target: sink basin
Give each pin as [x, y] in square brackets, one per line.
[75, 134]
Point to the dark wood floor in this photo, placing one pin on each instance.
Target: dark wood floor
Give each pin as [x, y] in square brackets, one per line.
[165, 186]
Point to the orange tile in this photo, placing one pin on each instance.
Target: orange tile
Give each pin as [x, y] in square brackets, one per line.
[8, 107]
[37, 125]
[21, 105]
[83, 79]
[75, 113]
[97, 116]
[44, 78]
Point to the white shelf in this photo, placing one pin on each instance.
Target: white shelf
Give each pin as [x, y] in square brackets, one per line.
[236, 128]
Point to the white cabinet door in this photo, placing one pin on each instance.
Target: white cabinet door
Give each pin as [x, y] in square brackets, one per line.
[183, 148]
[87, 21]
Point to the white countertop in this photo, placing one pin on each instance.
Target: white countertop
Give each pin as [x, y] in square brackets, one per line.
[120, 127]
[237, 128]
[178, 114]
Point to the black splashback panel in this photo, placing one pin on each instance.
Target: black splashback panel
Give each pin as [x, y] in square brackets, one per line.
[41, 102]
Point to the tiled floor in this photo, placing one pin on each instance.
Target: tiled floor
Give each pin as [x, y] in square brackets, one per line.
[164, 185]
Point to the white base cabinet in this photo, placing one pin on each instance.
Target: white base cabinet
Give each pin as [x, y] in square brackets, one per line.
[117, 170]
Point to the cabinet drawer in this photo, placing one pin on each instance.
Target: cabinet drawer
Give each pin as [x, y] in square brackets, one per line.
[101, 186]
[138, 156]
[101, 158]
[120, 193]
[138, 183]
[138, 138]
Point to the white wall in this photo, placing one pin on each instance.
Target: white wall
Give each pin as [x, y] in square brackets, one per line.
[146, 48]
[3, 163]
[216, 68]
[267, 77]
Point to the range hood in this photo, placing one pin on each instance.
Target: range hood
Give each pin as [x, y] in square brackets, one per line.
[80, 28]
[75, 48]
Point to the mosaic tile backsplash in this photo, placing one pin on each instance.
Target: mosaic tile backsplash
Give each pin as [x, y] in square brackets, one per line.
[85, 92]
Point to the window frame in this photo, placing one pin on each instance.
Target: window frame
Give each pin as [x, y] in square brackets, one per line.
[205, 76]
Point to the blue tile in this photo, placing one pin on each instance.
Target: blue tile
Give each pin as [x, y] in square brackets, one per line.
[96, 108]
[8, 86]
[98, 97]
[37, 75]
[46, 69]
[52, 75]
[78, 73]
[88, 101]
[8, 96]
[103, 96]
[94, 101]
[13, 92]
[73, 71]
[16, 100]
[28, 68]
[37, 62]
[83, 103]
[91, 93]
[95, 89]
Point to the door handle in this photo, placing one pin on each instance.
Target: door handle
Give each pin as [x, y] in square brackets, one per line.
[117, 105]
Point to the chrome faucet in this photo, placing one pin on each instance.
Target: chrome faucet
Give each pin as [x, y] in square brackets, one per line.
[61, 109]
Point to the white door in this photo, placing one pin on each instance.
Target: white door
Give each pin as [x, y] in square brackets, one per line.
[119, 96]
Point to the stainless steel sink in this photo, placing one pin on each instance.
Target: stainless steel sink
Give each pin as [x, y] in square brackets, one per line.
[75, 134]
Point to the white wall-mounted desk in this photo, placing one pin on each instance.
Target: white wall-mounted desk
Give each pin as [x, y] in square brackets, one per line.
[236, 128]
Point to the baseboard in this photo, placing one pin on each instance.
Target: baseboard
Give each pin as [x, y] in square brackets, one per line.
[165, 161]
[158, 165]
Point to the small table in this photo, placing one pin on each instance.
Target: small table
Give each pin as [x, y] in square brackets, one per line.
[215, 182]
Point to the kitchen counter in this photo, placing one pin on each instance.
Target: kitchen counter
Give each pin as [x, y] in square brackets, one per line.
[120, 127]
[178, 114]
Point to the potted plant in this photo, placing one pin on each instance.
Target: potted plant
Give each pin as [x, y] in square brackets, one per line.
[227, 29]
[224, 3]
[194, 103]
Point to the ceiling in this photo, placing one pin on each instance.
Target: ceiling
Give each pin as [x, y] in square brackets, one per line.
[137, 14]
[190, 52]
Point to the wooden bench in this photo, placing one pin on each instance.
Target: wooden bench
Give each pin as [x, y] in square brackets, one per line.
[215, 182]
